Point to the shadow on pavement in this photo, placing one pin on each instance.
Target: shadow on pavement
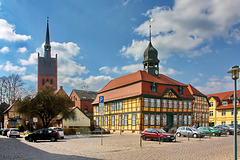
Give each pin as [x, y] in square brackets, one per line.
[13, 148]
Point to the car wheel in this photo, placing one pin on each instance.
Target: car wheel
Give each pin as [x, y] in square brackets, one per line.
[179, 134]
[195, 135]
[228, 133]
[213, 134]
[30, 139]
[144, 138]
[53, 139]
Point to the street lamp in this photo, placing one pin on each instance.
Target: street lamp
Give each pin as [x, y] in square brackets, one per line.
[235, 75]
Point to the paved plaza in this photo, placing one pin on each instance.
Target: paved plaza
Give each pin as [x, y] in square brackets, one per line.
[116, 146]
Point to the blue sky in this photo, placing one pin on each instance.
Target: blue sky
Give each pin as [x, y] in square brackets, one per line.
[99, 40]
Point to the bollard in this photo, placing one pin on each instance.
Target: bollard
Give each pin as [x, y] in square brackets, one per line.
[175, 137]
[210, 135]
[188, 136]
[140, 141]
[200, 136]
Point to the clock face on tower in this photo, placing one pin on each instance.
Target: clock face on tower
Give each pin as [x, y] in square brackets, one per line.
[156, 72]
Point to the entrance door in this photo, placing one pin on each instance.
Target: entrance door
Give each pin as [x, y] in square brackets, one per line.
[169, 120]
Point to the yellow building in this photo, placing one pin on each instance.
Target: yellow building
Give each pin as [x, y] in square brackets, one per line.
[221, 110]
[144, 99]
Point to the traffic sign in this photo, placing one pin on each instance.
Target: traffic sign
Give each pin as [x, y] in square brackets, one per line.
[101, 99]
[101, 105]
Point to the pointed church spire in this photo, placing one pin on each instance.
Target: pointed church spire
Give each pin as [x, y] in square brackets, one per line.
[47, 46]
[47, 34]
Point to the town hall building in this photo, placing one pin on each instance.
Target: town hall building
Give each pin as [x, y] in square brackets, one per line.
[144, 99]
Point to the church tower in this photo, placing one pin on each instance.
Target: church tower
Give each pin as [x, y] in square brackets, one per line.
[47, 66]
[151, 61]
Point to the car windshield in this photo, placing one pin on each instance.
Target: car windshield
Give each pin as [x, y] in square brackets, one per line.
[161, 131]
[59, 129]
[194, 129]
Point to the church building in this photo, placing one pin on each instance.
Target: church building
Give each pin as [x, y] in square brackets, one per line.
[144, 99]
[47, 66]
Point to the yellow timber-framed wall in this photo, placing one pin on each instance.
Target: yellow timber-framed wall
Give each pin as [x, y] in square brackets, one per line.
[138, 112]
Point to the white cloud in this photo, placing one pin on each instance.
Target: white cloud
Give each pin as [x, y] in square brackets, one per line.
[186, 26]
[125, 2]
[7, 32]
[108, 70]
[31, 60]
[14, 69]
[132, 68]
[32, 77]
[22, 50]
[168, 71]
[93, 82]
[217, 84]
[4, 50]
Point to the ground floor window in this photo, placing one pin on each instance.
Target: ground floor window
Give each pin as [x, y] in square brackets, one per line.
[97, 120]
[102, 121]
[211, 113]
[158, 121]
[134, 119]
[106, 121]
[175, 119]
[164, 119]
[185, 119]
[113, 121]
[125, 120]
[180, 120]
[152, 119]
[189, 119]
[145, 119]
[120, 120]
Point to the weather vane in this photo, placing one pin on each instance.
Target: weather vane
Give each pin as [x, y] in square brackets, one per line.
[150, 20]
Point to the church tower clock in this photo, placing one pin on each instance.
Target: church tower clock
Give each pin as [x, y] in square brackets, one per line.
[47, 66]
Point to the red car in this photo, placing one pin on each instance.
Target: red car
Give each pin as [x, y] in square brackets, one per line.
[155, 133]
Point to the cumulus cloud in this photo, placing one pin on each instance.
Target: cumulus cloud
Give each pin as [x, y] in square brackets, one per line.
[186, 26]
[9, 67]
[216, 84]
[32, 77]
[7, 32]
[4, 50]
[22, 50]
[93, 82]
[31, 60]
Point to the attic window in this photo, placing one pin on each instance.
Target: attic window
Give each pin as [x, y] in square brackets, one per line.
[224, 103]
[180, 90]
[154, 87]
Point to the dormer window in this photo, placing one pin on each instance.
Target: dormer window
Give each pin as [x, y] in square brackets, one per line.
[180, 90]
[154, 87]
[224, 103]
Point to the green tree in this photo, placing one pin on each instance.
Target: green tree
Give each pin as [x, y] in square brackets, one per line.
[46, 105]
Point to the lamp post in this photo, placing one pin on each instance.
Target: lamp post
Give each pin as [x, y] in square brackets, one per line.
[235, 75]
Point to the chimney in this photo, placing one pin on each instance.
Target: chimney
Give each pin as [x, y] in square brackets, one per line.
[61, 87]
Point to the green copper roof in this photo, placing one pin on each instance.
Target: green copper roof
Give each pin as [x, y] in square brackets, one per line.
[150, 53]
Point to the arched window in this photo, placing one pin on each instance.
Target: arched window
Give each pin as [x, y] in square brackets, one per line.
[43, 82]
[51, 81]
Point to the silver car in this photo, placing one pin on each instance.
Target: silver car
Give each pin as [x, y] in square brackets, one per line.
[60, 131]
[13, 132]
[189, 131]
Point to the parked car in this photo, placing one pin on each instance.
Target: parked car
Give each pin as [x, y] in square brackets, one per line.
[155, 133]
[189, 131]
[43, 134]
[60, 131]
[4, 132]
[225, 129]
[13, 132]
[1, 130]
[100, 130]
[208, 130]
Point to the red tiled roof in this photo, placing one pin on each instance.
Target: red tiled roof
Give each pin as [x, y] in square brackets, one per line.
[194, 91]
[230, 106]
[136, 84]
[138, 76]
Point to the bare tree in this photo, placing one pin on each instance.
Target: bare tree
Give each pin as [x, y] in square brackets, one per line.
[10, 88]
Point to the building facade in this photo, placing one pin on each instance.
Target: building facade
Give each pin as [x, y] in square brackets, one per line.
[47, 66]
[83, 100]
[144, 99]
[221, 110]
[200, 107]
